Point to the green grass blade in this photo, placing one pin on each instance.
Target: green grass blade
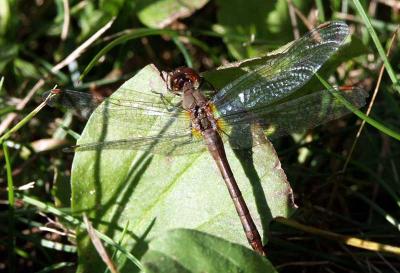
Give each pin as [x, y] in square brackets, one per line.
[10, 183]
[321, 13]
[115, 253]
[352, 108]
[375, 38]
[132, 34]
[183, 50]
[1, 84]
[51, 209]
[11, 214]
[26, 119]
[57, 246]
[55, 267]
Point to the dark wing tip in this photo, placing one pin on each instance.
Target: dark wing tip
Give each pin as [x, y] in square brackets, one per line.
[49, 99]
[357, 95]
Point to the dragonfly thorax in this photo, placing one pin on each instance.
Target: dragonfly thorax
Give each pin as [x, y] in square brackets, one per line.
[185, 82]
[192, 99]
[202, 119]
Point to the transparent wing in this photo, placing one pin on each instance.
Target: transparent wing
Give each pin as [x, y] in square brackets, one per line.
[159, 144]
[153, 121]
[127, 106]
[295, 116]
[284, 73]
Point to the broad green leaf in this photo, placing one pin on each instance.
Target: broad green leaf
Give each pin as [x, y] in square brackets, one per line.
[5, 16]
[111, 7]
[156, 193]
[26, 69]
[8, 52]
[90, 19]
[185, 251]
[160, 13]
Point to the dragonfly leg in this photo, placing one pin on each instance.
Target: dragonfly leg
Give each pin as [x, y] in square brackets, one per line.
[168, 104]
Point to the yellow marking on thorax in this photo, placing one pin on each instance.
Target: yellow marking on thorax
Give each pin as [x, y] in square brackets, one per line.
[213, 108]
[197, 133]
[188, 115]
[220, 123]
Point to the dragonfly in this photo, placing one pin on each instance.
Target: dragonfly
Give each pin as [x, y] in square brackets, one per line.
[192, 117]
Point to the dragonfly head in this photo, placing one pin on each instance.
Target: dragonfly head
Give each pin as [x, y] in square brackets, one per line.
[183, 78]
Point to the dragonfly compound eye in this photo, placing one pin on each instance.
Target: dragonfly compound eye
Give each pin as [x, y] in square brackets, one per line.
[178, 82]
[182, 76]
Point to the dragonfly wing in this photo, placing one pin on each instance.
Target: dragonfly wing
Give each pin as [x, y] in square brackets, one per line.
[140, 112]
[144, 115]
[151, 122]
[83, 103]
[158, 144]
[133, 119]
[284, 73]
[295, 116]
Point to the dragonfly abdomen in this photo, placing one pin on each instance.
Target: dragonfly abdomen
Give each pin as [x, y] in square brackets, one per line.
[216, 148]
